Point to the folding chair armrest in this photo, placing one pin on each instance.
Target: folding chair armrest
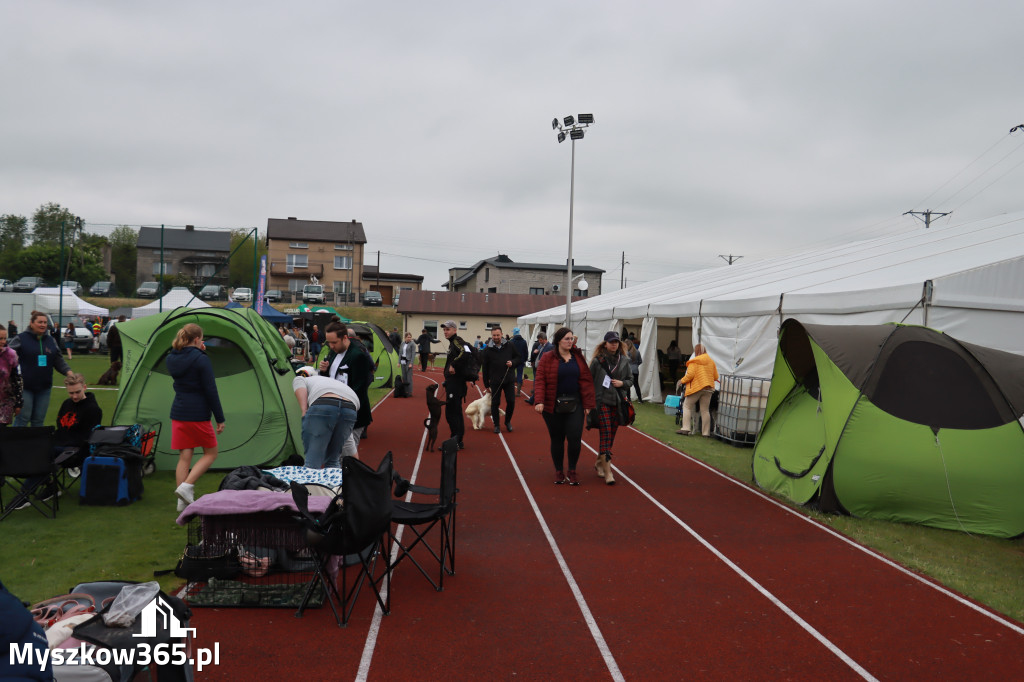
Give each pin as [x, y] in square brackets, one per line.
[65, 455]
[423, 490]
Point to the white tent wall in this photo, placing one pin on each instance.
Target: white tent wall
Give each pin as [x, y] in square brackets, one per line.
[171, 300]
[740, 345]
[650, 381]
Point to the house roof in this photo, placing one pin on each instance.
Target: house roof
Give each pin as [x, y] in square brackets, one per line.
[184, 240]
[370, 273]
[457, 303]
[293, 229]
[503, 261]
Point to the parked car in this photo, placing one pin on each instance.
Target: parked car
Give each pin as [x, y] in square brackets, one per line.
[6, 285]
[28, 284]
[273, 296]
[102, 289]
[313, 293]
[242, 294]
[373, 298]
[147, 290]
[213, 292]
[72, 286]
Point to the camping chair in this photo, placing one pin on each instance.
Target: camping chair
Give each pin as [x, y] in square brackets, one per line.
[354, 528]
[27, 467]
[421, 517]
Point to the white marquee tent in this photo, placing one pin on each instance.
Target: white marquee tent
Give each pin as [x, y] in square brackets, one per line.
[48, 300]
[964, 279]
[174, 298]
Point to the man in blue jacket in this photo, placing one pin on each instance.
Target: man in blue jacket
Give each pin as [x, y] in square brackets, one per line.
[38, 356]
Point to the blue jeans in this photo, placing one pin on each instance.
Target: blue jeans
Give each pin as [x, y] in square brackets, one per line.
[325, 428]
[33, 408]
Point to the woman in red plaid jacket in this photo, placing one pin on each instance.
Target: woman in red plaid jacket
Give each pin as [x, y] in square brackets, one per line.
[612, 377]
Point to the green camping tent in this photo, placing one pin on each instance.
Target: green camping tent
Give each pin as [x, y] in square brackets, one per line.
[385, 356]
[896, 422]
[251, 363]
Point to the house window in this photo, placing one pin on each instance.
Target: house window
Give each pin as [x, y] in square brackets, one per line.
[207, 270]
[343, 262]
[298, 245]
[167, 270]
[431, 327]
[487, 274]
[491, 325]
[296, 260]
[342, 287]
[536, 291]
[462, 324]
[342, 247]
[577, 292]
[295, 285]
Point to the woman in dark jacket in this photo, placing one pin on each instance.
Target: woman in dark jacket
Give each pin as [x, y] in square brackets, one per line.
[612, 377]
[564, 394]
[195, 399]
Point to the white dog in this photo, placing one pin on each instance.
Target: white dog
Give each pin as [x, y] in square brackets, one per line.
[479, 410]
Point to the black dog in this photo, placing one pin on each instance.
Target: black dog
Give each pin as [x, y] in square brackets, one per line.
[434, 406]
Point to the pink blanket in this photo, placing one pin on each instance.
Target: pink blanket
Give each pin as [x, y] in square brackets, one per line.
[247, 502]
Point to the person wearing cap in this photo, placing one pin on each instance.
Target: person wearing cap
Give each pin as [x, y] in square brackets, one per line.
[459, 355]
[329, 409]
[519, 343]
[609, 367]
[499, 362]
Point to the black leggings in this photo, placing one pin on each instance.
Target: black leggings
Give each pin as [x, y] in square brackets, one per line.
[565, 428]
[423, 361]
[510, 402]
[453, 412]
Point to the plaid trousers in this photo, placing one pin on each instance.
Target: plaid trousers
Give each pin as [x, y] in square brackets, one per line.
[608, 425]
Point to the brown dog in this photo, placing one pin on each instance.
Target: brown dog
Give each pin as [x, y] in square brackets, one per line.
[109, 378]
[434, 406]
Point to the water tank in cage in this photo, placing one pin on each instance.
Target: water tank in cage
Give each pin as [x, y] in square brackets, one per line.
[741, 404]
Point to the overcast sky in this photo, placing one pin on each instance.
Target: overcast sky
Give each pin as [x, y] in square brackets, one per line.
[745, 128]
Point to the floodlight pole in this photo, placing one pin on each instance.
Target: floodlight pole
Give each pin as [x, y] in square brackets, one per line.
[575, 128]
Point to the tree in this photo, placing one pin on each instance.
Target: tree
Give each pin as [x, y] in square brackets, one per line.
[47, 222]
[13, 232]
[43, 260]
[124, 257]
[240, 272]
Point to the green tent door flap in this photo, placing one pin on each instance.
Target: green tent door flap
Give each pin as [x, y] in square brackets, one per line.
[896, 422]
[253, 374]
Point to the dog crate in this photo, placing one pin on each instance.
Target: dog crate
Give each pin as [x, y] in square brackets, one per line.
[248, 560]
[741, 404]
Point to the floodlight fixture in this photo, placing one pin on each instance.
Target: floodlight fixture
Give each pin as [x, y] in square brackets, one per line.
[569, 121]
[585, 118]
[561, 137]
[576, 134]
[554, 124]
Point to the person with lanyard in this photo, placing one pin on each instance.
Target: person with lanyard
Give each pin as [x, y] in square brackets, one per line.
[38, 355]
[459, 354]
[500, 360]
[329, 409]
[564, 396]
[612, 379]
[349, 363]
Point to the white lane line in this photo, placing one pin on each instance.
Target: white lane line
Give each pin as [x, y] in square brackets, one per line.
[839, 653]
[595, 630]
[820, 526]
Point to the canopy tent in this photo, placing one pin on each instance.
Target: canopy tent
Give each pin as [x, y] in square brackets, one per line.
[48, 300]
[964, 279]
[254, 380]
[894, 422]
[174, 298]
[270, 314]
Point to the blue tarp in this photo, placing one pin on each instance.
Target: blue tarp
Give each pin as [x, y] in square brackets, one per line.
[270, 314]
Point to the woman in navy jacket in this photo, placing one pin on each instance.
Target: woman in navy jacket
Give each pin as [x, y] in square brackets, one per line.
[38, 356]
[195, 399]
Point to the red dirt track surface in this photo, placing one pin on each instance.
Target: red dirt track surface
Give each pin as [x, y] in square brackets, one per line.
[675, 572]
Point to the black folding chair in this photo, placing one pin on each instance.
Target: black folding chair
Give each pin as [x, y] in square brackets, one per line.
[420, 517]
[355, 529]
[27, 468]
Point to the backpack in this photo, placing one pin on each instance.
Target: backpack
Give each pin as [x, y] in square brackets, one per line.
[470, 366]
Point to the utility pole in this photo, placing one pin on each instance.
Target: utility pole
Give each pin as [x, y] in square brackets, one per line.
[730, 259]
[928, 215]
[622, 277]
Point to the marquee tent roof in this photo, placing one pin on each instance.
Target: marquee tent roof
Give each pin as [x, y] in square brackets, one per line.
[48, 299]
[171, 300]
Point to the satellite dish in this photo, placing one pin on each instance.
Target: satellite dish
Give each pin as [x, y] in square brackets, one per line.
[583, 285]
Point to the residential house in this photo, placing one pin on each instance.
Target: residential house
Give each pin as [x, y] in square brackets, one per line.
[502, 275]
[332, 252]
[202, 255]
[390, 284]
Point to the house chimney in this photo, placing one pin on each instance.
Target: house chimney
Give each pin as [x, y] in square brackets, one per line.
[190, 228]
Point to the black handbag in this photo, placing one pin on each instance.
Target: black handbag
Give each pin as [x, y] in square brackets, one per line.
[627, 414]
[566, 404]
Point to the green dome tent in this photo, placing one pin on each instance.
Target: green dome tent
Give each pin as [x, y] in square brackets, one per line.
[895, 422]
[254, 376]
[384, 355]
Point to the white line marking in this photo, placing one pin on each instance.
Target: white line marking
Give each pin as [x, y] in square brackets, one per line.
[820, 526]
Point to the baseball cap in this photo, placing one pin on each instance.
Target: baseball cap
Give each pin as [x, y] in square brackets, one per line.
[515, 330]
[611, 336]
[451, 324]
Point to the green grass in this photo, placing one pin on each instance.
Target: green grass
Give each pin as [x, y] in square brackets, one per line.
[43, 557]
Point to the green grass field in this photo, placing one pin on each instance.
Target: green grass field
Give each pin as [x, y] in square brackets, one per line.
[44, 557]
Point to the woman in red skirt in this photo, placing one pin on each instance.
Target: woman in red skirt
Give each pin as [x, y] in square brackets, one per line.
[195, 399]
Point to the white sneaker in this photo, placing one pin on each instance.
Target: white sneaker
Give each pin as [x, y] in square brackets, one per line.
[186, 492]
[181, 505]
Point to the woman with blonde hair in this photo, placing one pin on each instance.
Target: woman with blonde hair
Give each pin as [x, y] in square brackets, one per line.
[195, 399]
[701, 375]
[612, 376]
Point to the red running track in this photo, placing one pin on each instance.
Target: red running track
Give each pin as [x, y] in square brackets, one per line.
[676, 572]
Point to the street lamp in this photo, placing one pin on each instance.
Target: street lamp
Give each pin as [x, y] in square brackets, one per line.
[575, 127]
